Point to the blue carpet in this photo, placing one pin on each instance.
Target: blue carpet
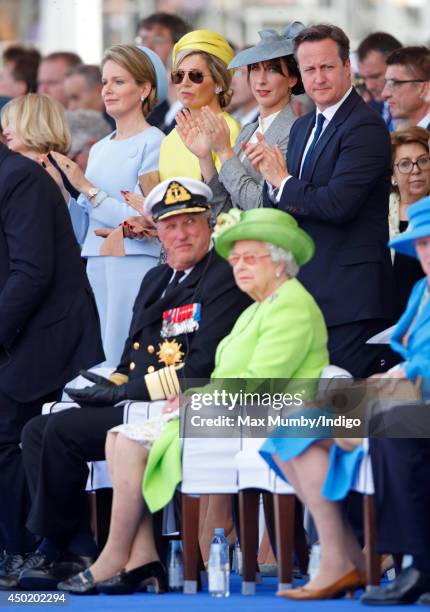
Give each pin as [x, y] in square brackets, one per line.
[263, 601]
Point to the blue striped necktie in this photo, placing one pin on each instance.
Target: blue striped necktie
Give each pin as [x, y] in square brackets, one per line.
[317, 134]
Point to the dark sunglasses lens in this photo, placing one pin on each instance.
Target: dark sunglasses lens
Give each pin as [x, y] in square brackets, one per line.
[177, 77]
[196, 76]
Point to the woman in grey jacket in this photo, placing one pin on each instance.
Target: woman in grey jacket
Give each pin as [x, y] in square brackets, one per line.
[273, 76]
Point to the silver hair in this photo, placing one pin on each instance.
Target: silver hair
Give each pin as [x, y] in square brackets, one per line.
[278, 254]
[86, 126]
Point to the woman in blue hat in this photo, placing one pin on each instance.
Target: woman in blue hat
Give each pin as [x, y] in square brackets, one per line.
[322, 473]
[273, 77]
[134, 79]
[400, 462]
[411, 336]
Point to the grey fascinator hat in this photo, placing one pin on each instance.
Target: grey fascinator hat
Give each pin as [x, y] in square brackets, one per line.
[271, 46]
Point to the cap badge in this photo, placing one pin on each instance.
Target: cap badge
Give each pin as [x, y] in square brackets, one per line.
[176, 193]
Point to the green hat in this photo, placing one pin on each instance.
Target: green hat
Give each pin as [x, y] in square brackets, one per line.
[265, 224]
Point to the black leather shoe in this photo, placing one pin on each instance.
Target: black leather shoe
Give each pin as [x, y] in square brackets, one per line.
[145, 577]
[81, 584]
[46, 578]
[409, 585]
[425, 599]
[9, 571]
[35, 561]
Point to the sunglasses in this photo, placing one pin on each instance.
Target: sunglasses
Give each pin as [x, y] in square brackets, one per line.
[195, 76]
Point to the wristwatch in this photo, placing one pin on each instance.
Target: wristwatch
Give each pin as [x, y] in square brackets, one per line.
[92, 192]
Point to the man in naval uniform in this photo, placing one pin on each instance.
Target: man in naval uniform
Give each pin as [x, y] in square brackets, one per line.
[183, 309]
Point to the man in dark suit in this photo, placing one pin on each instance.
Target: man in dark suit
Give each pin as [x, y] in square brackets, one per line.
[336, 182]
[183, 309]
[400, 468]
[49, 326]
[371, 54]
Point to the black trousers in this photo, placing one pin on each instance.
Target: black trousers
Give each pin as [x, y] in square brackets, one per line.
[15, 501]
[55, 450]
[348, 349]
[401, 471]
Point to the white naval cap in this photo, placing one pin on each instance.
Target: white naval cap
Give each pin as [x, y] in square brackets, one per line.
[176, 196]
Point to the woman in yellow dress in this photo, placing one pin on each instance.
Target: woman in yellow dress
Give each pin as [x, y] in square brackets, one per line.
[201, 78]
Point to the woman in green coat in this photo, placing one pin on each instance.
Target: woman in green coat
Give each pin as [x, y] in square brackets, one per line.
[281, 336]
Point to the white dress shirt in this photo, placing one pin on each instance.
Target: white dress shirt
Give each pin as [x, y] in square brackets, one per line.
[425, 121]
[263, 125]
[328, 113]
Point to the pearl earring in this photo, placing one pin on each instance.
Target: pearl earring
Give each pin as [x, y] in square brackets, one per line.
[142, 98]
[394, 182]
[218, 89]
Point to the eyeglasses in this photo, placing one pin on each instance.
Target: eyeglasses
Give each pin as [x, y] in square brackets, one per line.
[250, 260]
[405, 166]
[195, 76]
[396, 83]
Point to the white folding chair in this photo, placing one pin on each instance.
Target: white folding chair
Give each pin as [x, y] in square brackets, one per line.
[255, 477]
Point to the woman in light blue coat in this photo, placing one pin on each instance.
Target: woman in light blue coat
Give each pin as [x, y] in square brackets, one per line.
[133, 79]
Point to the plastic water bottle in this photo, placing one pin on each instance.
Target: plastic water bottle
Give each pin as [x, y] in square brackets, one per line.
[237, 558]
[314, 561]
[219, 565]
[175, 567]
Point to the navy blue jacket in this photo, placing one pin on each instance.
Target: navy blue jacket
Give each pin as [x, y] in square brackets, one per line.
[49, 327]
[342, 202]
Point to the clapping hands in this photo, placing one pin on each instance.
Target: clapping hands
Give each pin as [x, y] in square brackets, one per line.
[192, 134]
[217, 131]
[269, 161]
[204, 133]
